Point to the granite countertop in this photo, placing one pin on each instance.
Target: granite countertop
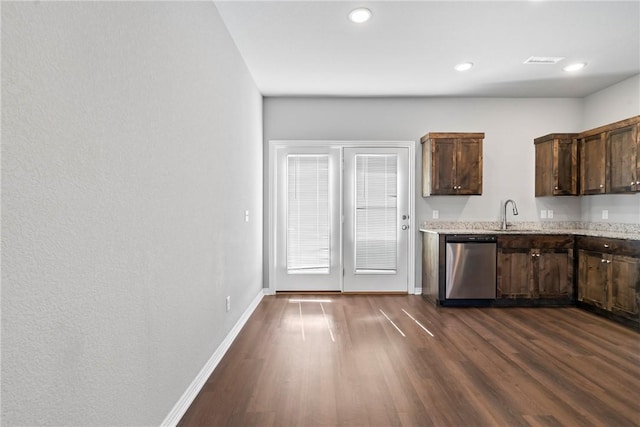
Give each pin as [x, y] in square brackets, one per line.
[615, 231]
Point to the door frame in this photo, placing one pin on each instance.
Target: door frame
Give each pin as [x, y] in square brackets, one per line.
[275, 145]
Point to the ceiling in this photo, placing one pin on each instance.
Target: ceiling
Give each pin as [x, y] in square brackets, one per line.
[409, 48]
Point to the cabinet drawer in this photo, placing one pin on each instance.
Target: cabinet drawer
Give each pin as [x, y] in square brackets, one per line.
[608, 245]
[533, 241]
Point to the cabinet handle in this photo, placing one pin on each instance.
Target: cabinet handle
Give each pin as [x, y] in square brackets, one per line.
[606, 245]
[603, 261]
[601, 185]
[637, 182]
[608, 261]
[556, 187]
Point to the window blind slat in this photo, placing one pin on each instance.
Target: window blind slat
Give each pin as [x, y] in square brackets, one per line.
[376, 212]
[308, 214]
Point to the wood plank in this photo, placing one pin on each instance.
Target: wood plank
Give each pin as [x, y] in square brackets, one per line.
[611, 126]
[482, 366]
[454, 135]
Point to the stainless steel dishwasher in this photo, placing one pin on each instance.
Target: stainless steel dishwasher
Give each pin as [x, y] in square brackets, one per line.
[470, 267]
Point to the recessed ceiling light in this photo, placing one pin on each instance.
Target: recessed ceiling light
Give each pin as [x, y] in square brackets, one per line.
[575, 67]
[360, 15]
[464, 66]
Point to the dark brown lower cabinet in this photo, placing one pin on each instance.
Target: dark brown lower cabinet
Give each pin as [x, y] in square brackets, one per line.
[592, 278]
[535, 268]
[609, 277]
[541, 270]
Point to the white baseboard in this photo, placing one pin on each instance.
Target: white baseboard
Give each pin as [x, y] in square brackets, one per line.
[417, 291]
[196, 385]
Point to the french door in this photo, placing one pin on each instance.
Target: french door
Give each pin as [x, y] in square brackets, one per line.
[339, 217]
[376, 219]
[307, 219]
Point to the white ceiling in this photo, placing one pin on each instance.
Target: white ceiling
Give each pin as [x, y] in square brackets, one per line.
[409, 48]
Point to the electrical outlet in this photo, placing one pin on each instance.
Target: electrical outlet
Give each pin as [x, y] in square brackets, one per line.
[550, 214]
[228, 303]
[246, 216]
[605, 214]
[543, 214]
[436, 214]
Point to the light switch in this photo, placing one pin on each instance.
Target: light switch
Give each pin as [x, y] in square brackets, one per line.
[543, 214]
[436, 214]
[605, 214]
[550, 214]
[246, 216]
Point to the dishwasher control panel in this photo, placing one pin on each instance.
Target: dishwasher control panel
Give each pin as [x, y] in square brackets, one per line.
[461, 238]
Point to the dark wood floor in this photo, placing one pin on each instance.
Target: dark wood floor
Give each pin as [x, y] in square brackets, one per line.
[344, 362]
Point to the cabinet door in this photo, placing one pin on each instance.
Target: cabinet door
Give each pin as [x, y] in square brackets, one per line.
[625, 285]
[544, 169]
[443, 166]
[592, 278]
[565, 168]
[430, 260]
[593, 164]
[621, 161]
[553, 273]
[556, 165]
[637, 177]
[515, 275]
[469, 166]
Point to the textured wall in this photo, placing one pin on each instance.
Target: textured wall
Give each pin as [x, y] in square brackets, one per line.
[131, 146]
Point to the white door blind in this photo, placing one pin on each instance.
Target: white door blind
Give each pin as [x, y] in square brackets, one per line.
[308, 214]
[376, 212]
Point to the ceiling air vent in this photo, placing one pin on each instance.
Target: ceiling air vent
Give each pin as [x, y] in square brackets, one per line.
[543, 60]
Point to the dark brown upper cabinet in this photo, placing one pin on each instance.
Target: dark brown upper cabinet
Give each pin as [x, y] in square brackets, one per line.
[593, 162]
[452, 164]
[556, 165]
[610, 158]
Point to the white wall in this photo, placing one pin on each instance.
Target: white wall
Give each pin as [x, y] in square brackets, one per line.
[617, 102]
[510, 125]
[612, 104]
[132, 144]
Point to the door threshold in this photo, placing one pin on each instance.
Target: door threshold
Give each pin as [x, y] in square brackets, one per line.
[376, 293]
[342, 293]
[308, 292]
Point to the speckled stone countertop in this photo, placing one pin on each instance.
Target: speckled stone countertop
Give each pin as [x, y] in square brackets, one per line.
[596, 229]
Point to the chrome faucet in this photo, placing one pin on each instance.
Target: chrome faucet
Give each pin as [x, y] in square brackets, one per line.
[504, 213]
